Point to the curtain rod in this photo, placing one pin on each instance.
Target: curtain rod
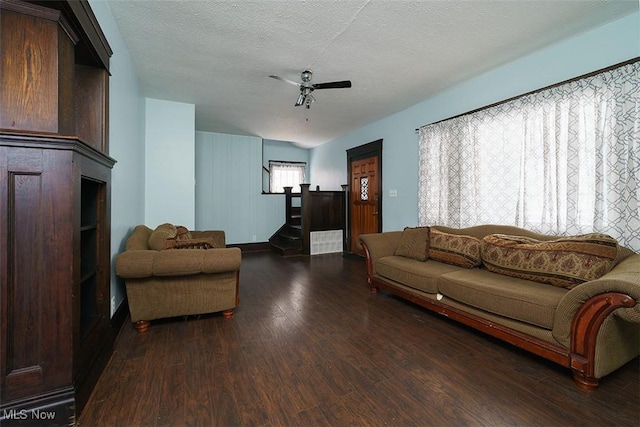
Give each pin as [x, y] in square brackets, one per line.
[583, 76]
[287, 162]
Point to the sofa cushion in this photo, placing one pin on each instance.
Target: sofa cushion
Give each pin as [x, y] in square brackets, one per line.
[416, 274]
[564, 262]
[414, 243]
[531, 302]
[456, 249]
[163, 237]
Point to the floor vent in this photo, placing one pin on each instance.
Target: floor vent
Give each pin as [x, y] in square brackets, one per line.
[326, 242]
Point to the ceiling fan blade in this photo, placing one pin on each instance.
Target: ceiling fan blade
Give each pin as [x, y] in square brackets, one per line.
[273, 76]
[333, 85]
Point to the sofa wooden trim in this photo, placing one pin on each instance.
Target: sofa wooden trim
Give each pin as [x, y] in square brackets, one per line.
[580, 357]
[585, 328]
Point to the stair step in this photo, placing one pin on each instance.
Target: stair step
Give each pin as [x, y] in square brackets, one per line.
[286, 241]
[285, 250]
[289, 236]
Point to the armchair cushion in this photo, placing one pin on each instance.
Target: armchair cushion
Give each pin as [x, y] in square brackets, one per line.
[196, 261]
[163, 237]
[139, 264]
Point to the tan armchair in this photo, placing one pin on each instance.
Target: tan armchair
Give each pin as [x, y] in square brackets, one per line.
[172, 282]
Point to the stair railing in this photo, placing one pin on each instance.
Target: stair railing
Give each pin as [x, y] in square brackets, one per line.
[319, 210]
[288, 203]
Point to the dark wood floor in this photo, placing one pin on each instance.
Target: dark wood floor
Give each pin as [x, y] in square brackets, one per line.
[311, 346]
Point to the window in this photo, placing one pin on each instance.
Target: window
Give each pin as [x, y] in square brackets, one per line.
[364, 188]
[286, 174]
[563, 160]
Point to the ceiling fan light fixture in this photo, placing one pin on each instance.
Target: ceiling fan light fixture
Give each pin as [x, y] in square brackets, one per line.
[306, 87]
[308, 100]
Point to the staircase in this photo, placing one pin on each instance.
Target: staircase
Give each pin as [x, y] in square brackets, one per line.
[289, 240]
[307, 212]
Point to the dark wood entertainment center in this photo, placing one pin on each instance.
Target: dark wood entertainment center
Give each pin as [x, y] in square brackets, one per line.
[56, 334]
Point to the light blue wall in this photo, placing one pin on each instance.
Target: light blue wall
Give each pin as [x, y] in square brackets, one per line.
[169, 163]
[607, 45]
[125, 143]
[229, 187]
[283, 150]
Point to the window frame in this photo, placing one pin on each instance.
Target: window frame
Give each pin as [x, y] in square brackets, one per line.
[276, 163]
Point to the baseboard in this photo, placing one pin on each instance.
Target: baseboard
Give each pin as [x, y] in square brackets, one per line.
[86, 381]
[251, 247]
[119, 317]
[353, 255]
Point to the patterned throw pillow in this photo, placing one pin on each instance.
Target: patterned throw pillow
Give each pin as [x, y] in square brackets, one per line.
[456, 249]
[163, 237]
[414, 243]
[203, 243]
[565, 262]
[183, 233]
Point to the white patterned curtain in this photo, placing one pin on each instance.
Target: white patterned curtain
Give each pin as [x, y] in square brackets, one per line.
[285, 174]
[564, 160]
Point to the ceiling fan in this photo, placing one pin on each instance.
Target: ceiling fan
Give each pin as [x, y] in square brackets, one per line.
[306, 87]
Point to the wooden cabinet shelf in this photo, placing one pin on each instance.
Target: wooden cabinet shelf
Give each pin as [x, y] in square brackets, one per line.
[55, 178]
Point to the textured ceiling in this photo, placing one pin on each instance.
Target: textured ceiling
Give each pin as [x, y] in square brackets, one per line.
[218, 54]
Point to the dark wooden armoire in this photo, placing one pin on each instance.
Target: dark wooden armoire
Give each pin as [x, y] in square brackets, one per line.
[56, 334]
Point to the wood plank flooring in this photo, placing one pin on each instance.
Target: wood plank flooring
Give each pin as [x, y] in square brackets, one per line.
[311, 346]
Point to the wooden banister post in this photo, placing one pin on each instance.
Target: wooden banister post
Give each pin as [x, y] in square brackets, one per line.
[345, 218]
[306, 218]
[287, 204]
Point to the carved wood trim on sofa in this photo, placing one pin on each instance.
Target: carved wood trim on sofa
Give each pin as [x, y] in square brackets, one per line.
[584, 331]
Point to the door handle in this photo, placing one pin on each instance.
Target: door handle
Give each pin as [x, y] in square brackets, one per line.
[375, 213]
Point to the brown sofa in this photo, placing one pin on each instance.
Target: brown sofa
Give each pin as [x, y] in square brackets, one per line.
[166, 276]
[588, 324]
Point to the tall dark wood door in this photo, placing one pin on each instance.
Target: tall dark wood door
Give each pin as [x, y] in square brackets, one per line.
[364, 199]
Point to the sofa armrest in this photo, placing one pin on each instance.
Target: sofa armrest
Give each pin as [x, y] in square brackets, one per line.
[598, 322]
[177, 262]
[621, 284]
[134, 264]
[378, 245]
[217, 236]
